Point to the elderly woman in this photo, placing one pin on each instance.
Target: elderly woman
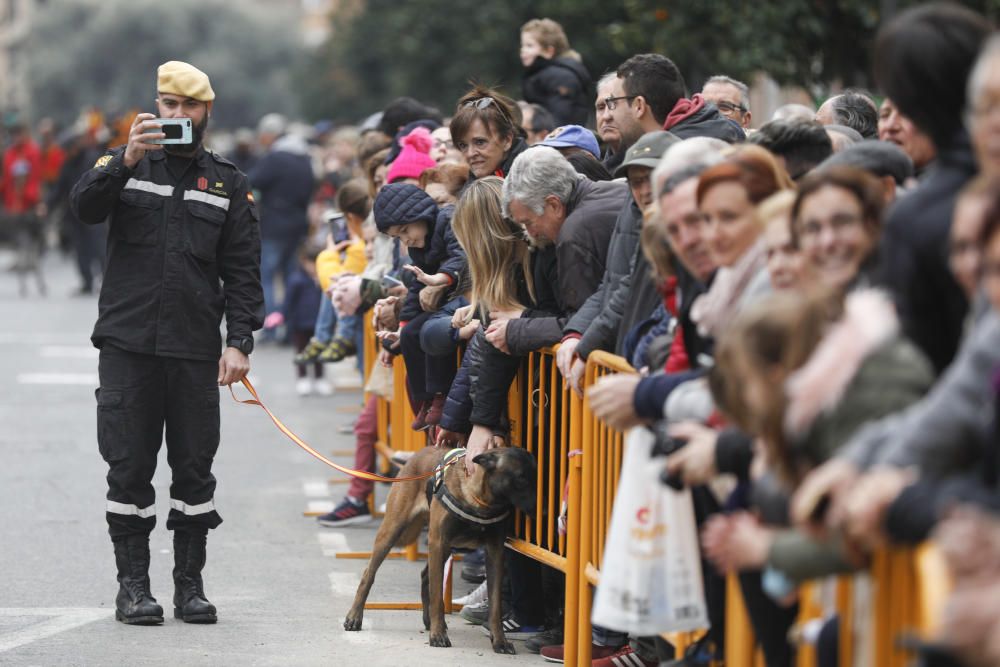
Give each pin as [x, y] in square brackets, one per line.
[485, 129]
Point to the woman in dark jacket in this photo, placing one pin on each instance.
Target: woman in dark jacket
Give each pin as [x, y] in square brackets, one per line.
[486, 129]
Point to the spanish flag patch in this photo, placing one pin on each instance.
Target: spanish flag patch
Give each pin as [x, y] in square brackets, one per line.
[250, 196]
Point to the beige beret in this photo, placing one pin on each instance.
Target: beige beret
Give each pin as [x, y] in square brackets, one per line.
[179, 78]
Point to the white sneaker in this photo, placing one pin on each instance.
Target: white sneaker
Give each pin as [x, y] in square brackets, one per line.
[477, 597]
[304, 386]
[323, 387]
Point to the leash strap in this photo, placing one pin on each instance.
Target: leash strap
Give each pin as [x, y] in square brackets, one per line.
[361, 474]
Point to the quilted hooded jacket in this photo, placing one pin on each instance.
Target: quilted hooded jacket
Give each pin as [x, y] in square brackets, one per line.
[403, 204]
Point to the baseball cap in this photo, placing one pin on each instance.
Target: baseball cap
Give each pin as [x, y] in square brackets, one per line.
[572, 136]
[647, 151]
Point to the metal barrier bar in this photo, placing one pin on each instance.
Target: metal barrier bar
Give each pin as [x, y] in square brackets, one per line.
[538, 410]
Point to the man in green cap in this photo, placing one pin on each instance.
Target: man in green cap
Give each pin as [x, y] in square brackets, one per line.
[183, 250]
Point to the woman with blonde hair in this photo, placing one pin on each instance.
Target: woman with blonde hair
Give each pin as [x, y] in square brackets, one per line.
[784, 259]
[508, 277]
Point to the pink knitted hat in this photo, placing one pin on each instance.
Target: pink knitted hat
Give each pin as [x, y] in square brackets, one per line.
[415, 157]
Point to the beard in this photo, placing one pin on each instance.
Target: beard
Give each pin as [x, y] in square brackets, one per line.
[197, 137]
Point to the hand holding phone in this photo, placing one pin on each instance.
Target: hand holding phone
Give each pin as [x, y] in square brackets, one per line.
[174, 131]
[389, 282]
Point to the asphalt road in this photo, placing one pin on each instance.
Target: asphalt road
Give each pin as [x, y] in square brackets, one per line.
[272, 572]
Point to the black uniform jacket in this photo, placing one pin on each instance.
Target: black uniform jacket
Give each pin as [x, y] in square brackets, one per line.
[181, 252]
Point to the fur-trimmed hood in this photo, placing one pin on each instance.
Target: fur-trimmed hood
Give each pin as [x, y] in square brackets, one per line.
[869, 321]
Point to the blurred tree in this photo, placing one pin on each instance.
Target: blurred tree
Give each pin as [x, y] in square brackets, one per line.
[380, 49]
[104, 53]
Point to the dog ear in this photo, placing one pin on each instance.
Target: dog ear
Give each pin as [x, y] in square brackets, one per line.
[488, 460]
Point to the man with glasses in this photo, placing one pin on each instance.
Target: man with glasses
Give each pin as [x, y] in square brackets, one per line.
[730, 97]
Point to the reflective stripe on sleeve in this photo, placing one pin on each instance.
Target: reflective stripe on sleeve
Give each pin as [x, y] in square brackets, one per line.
[149, 186]
[192, 510]
[131, 510]
[214, 200]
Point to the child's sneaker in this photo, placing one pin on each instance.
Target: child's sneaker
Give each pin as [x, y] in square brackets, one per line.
[337, 350]
[347, 513]
[323, 387]
[310, 352]
[303, 386]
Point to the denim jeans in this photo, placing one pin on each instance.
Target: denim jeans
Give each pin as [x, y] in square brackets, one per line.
[326, 320]
[277, 257]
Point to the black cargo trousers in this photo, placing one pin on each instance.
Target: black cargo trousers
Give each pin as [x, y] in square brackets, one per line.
[140, 396]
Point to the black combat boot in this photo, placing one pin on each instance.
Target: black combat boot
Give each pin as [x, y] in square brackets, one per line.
[190, 604]
[135, 605]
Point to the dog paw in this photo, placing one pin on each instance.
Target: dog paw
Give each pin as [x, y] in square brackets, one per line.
[504, 647]
[440, 640]
[352, 624]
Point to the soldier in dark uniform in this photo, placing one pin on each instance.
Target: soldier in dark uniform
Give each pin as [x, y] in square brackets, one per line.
[183, 249]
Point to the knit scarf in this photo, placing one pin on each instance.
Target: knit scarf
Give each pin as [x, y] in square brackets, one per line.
[713, 310]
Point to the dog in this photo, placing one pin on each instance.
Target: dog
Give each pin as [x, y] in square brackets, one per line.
[460, 510]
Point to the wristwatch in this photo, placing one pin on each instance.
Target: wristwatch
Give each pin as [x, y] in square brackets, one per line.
[244, 344]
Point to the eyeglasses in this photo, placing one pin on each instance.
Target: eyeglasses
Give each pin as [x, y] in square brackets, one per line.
[484, 102]
[481, 103]
[729, 107]
[611, 103]
[838, 223]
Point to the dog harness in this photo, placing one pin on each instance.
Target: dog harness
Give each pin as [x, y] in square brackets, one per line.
[455, 506]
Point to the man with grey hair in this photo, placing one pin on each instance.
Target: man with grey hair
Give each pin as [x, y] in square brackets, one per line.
[544, 195]
[731, 97]
[852, 108]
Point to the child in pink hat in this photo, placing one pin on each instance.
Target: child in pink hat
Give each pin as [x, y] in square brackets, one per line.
[414, 159]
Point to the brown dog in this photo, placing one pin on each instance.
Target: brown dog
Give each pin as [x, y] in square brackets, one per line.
[460, 510]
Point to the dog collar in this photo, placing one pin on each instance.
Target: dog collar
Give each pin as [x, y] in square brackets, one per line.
[455, 506]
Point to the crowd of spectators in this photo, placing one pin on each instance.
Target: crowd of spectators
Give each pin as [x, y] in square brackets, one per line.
[813, 304]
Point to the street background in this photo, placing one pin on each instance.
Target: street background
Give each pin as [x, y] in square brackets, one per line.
[281, 593]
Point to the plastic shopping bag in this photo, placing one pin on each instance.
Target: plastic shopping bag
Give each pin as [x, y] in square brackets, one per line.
[651, 575]
[380, 381]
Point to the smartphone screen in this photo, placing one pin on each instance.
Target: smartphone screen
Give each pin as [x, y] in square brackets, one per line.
[172, 131]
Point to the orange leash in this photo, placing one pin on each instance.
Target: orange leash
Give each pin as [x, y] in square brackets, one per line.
[372, 477]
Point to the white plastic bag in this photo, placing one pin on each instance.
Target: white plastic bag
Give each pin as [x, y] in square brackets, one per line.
[651, 574]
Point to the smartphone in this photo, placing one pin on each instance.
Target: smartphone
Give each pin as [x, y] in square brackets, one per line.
[389, 282]
[177, 131]
[337, 224]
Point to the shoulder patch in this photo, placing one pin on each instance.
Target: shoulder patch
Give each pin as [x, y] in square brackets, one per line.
[250, 196]
[102, 161]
